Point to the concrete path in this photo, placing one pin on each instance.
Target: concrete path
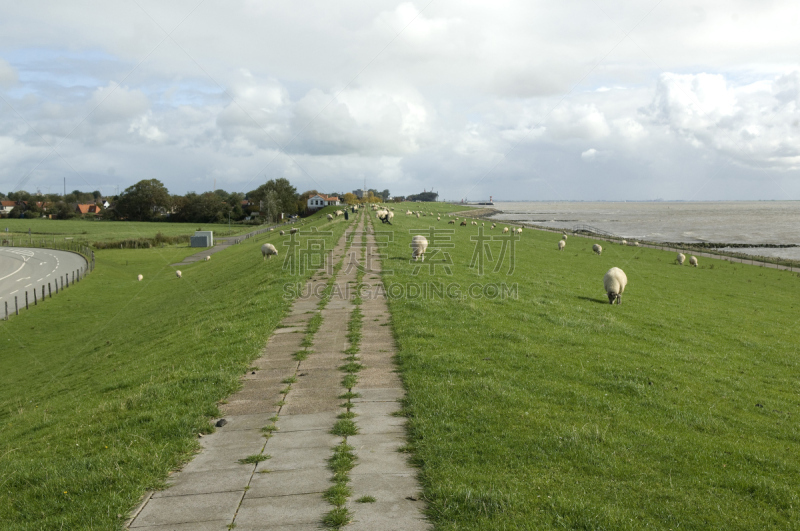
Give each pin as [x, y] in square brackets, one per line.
[284, 491]
[220, 244]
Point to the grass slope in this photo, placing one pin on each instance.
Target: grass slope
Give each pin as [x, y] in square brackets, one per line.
[104, 388]
[675, 410]
[86, 230]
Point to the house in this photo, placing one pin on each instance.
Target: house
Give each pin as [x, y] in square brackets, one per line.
[318, 201]
[6, 207]
[87, 209]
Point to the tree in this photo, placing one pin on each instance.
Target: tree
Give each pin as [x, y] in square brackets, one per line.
[424, 196]
[350, 199]
[287, 195]
[143, 201]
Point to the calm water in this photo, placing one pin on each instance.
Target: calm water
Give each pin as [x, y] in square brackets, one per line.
[752, 222]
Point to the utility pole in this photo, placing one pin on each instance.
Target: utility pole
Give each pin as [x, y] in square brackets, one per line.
[65, 188]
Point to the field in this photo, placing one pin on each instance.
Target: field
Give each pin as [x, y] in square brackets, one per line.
[532, 402]
[104, 388]
[551, 409]
[91, 231]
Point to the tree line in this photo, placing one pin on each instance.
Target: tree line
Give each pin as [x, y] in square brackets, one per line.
[150, 200]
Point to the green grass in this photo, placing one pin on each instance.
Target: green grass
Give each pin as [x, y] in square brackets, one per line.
[105, 388]
[254, 459]
[555, 410]
[87, 230]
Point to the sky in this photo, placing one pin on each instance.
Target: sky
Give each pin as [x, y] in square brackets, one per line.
[517, 100]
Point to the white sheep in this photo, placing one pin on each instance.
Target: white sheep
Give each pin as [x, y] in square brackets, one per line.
[178, 273]
[385, 216]
[623, 242]
[597, 248]
[140, 277]
[505, 230]
[451, 222]
[564, 236]
[693, 261]
[417, 215]
[409, 213]
[281, 233]
[681, 258]
[561, 245]
[208, 258]
[614, 283]
[293, 231]
[418, 245]
[271, 229]
[438, 218]
[330, 217]
[518, 230]
[268, 250]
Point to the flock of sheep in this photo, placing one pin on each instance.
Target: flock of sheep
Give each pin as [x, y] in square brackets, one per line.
[614, 281]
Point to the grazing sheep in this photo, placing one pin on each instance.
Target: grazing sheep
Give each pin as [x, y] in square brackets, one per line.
[463, 223]
[339, 213]
[614, 283]
[208, 258]
[417, 215]
[505, 230]
[140, 277]
[451, 222]
[409, 213]
[693, 261]
[268, 250]
[623, 242]
[418, 245]
[281, 233]
[680, 258]
[597, 248]
[438, 218]
[330, 217]
[561, 245]
[293, 231]
[564, 236]
[385, 216]
[518, 230]
[271, 229]
[178, 273]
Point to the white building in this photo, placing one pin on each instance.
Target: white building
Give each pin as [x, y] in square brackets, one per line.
[321, 200]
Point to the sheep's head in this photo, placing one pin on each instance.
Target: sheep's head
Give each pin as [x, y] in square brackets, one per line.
[614, 297]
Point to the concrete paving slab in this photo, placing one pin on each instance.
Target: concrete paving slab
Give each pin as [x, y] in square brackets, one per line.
[215, 525]
[378, 454]
[207, 482]
[289, 330]
[282, 527]
[317, 378]
[188, 509]
[301, 439]
[385, 487]
[314, 421]
[245, 422]
[285, 510]
[311, 405]
[279, 363]
[249, 407]
[296, 459]
[223, 438]
[373, 409]
[288, 483]
[268, 375]
[389, 516]
[391, 394]
[378, 378]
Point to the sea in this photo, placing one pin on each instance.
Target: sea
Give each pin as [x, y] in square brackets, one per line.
[742, 222]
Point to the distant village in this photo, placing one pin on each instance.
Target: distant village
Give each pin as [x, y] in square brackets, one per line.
[149, 200]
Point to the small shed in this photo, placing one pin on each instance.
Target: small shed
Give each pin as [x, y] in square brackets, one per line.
[202, 238]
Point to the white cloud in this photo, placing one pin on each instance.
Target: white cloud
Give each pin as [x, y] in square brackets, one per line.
[589, 154]
[752, 124]
[8, 76]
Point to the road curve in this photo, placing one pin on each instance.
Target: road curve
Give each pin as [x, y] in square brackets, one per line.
[24, 270]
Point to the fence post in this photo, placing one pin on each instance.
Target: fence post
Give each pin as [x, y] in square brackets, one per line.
[50, 290]
[42, 291]
[35, 302]
[26, 299]
[16, 305]
[73, 277]
[6, 310]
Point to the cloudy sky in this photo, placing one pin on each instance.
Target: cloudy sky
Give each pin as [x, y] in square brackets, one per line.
[521, 100]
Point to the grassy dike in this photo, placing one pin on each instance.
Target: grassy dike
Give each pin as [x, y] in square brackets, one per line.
[105, 388]
[554, 410]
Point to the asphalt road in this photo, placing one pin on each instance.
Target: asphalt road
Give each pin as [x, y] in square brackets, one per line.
[23, 270]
